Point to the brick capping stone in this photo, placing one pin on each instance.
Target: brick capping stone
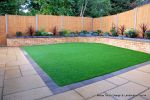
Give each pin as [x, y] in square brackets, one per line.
[142, 46]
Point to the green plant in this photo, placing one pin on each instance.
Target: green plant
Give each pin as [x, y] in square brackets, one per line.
[18, 34]
[42, 32]
[114, 31]
[130, 33]
[122, 29]
[38, 33]
[106, 34]
[99, 31]
[147, 34]
[84, 31]
[143, 29]
[30, 31]
[65, 33]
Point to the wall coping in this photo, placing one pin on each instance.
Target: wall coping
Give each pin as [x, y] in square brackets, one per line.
[119, 38]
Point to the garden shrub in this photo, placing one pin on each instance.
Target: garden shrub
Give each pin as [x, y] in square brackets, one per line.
[147, 34]
[95, 34]
[65, 33]
[106, 34]
[131, 33]
[84, 31]
[42, 32]
[100, 32]
[18, 34]
[114, 31]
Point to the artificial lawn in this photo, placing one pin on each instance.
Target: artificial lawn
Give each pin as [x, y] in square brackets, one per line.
[73, 62]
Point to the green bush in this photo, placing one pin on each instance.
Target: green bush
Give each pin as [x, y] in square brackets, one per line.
[65, 33]
[114, 31]
[147, 34]
[84, 31]
[99, 31]
[106, 34]
[41, 32]
[131, 33]
[18, 34]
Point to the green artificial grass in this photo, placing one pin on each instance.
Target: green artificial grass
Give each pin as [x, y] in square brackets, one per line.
[74, 62]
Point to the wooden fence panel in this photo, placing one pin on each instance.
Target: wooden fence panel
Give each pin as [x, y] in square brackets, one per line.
[107, 23]
[49, 22]
[11, 25]
[72, 23]
[126, 19]
[88, 24]
[96, 24]
[3, 41]
[2, 24]
[143, 17]
[19, 23]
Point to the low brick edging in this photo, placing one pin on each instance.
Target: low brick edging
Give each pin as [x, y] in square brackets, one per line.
[124, 43]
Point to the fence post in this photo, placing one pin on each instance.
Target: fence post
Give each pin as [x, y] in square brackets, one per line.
[6, 21]
[92, 24]
[62, 22]
[36, 22]
[82, 22]
[100, 23]
[116, 20]
[135, 17]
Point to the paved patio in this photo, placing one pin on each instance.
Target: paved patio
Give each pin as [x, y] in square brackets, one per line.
[19, 81]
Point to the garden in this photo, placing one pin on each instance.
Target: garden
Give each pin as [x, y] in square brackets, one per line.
[120, 32]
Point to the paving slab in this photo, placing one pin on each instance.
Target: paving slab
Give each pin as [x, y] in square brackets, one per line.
[12, 67]
[30, 94]
[2, 71]
[147, 93]
[95, 88]
[22, 84]
[28, 72]
[138, 77]
[138, 98]
[1, 80]
[126, 91]
[101, 97]
[15, 63]
[69, 95]
[145, 68]
[26, 67]
[0, 93]
[14, 73]
[117, 80]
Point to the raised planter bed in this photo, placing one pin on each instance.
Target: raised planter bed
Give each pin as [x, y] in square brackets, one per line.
[142, 45]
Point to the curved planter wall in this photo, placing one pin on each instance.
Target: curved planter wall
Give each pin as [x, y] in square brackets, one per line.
[142, 46]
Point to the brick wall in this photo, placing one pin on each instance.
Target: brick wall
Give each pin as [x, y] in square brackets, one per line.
[129, 44]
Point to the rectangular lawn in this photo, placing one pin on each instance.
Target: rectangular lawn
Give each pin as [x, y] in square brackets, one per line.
[69, 63]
